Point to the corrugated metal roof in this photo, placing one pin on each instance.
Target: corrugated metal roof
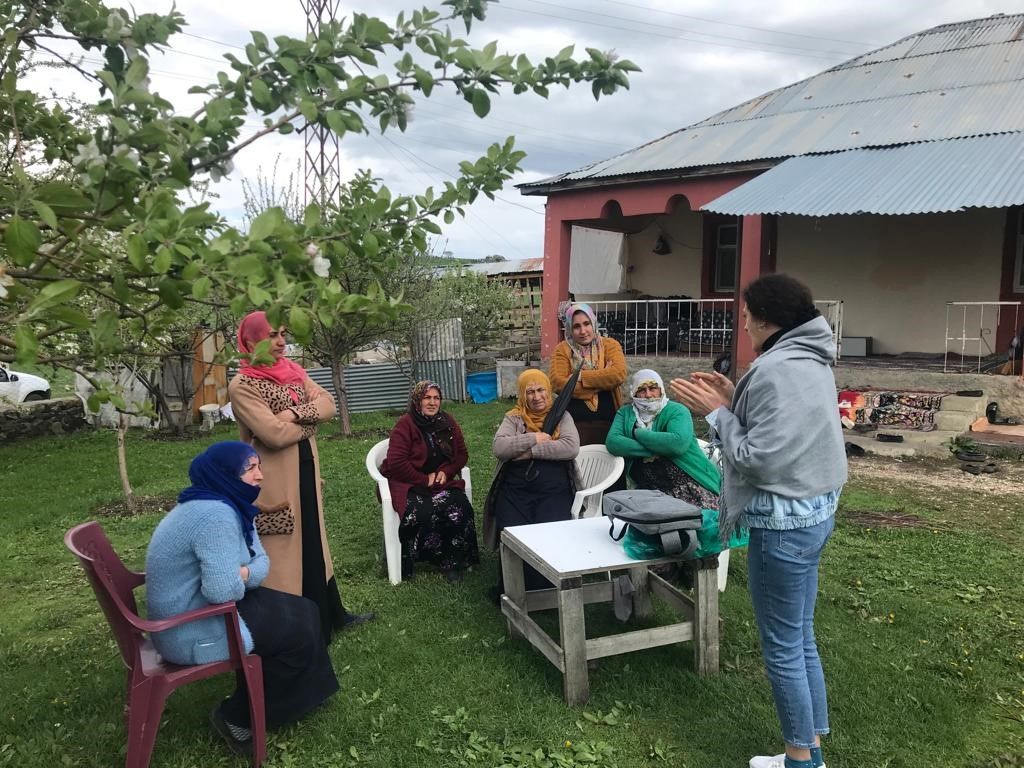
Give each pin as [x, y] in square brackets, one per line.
[936, 177]
[508, 267]
[952, 81]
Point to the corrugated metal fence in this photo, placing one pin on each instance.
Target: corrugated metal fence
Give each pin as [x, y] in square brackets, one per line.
[371, 387]
[440, 356]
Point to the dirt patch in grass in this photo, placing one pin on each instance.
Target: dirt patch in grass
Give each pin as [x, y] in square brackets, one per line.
[939, 474]
[144, 505]
[991, 501]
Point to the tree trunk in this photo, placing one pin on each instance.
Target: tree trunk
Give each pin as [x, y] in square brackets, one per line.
[338, 377]
[130, 505]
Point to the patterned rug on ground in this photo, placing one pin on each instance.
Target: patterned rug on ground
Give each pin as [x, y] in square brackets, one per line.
[897, 410]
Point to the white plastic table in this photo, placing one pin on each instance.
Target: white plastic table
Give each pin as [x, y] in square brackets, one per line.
[565, 552]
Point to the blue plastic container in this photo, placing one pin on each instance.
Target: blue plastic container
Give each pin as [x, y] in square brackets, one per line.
[482, 387]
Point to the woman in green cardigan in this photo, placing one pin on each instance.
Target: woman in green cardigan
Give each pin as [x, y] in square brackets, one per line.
[655, 436]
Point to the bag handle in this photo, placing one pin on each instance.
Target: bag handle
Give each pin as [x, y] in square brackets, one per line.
[672, 544]
[611, 530]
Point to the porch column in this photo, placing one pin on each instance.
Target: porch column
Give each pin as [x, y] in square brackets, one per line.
[751, 267]
[557, 240]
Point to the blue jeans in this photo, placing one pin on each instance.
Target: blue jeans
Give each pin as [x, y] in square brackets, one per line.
[783, 569]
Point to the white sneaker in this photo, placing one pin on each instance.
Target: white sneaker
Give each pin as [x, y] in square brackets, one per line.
[776, 761]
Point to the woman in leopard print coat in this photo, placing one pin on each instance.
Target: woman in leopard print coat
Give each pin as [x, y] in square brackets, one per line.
[278, 408]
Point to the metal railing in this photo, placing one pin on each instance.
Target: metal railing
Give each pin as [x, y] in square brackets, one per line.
[656, 327]
[684, 327]
[832, 311]
[981, 320]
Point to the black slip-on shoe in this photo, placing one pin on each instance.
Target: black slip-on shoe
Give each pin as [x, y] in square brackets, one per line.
[970, 455]
[240, 747]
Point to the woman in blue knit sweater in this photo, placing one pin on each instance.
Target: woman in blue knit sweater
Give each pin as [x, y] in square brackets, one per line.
[207, 551]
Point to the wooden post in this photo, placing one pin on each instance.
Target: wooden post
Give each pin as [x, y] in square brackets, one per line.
[557, 242]
[514, 582]
[573, 634]
[642, 607]
[751, 267]
[705, 619]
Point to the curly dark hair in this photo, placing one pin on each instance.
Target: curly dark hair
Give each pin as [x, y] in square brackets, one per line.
[780, 300]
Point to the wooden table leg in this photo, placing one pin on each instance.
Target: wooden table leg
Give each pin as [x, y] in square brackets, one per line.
[515, 584]
[705, 619]
[642, 607]
[573, 631]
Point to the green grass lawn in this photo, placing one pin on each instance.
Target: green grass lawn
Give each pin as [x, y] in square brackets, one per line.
[921, 632]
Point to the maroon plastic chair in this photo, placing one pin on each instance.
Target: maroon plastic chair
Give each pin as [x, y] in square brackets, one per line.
[150, 679]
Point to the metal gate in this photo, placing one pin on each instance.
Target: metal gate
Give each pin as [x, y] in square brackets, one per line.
[439, 356]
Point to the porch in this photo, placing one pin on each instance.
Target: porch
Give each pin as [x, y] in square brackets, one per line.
[679, 336]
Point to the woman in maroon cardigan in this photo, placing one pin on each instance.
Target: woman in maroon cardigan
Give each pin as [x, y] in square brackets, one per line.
[424, 458]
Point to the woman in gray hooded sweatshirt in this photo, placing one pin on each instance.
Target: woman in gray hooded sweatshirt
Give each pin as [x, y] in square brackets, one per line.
[784, 467]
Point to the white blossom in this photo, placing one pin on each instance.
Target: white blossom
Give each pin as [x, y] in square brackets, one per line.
[123, 150]
[312, 250]
[321, 266]
[115, 23]
[88, 154]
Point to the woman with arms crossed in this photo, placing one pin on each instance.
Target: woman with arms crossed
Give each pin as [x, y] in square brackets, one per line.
[278, 408]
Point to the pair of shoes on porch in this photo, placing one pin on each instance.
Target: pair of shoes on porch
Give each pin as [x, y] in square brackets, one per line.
[771, 761]
[988, 468]
[227, 731]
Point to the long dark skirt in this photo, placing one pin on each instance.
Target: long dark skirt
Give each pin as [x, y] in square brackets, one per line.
[438, 529]
[297, 672]
[315, 584]
[531, 492]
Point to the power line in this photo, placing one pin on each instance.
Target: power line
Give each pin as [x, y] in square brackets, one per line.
[211, 40]
[522, 126]
[452, 176]
[483, 221]
[741, 26]
[618, 28]
[564, 7]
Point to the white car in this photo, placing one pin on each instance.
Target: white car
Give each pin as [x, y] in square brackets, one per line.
[18, 387]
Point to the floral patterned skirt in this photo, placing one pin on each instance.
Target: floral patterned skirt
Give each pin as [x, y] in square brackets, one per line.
[661, 474]
[438, 529]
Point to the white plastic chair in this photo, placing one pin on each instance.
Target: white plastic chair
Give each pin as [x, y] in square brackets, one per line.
[715, 454]
[598, 469]
[392, 544]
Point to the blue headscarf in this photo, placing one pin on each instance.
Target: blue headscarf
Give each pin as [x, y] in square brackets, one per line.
[216, 474]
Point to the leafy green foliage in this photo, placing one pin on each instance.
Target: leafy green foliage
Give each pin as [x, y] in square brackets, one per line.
[480, 302]
[90, 203]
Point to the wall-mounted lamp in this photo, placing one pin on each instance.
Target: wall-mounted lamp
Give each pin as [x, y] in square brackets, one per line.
[661, 246]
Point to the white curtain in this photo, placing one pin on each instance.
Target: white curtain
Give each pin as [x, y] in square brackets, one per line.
[596, 261]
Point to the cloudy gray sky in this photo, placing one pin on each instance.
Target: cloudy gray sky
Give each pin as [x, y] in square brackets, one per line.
[697, 56]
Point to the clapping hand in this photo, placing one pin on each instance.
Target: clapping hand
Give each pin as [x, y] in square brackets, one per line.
[703, 392]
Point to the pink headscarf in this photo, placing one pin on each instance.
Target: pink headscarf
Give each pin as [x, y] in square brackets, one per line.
[253, 329]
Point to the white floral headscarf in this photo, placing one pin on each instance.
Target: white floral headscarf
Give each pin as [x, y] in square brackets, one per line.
[646, 408]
